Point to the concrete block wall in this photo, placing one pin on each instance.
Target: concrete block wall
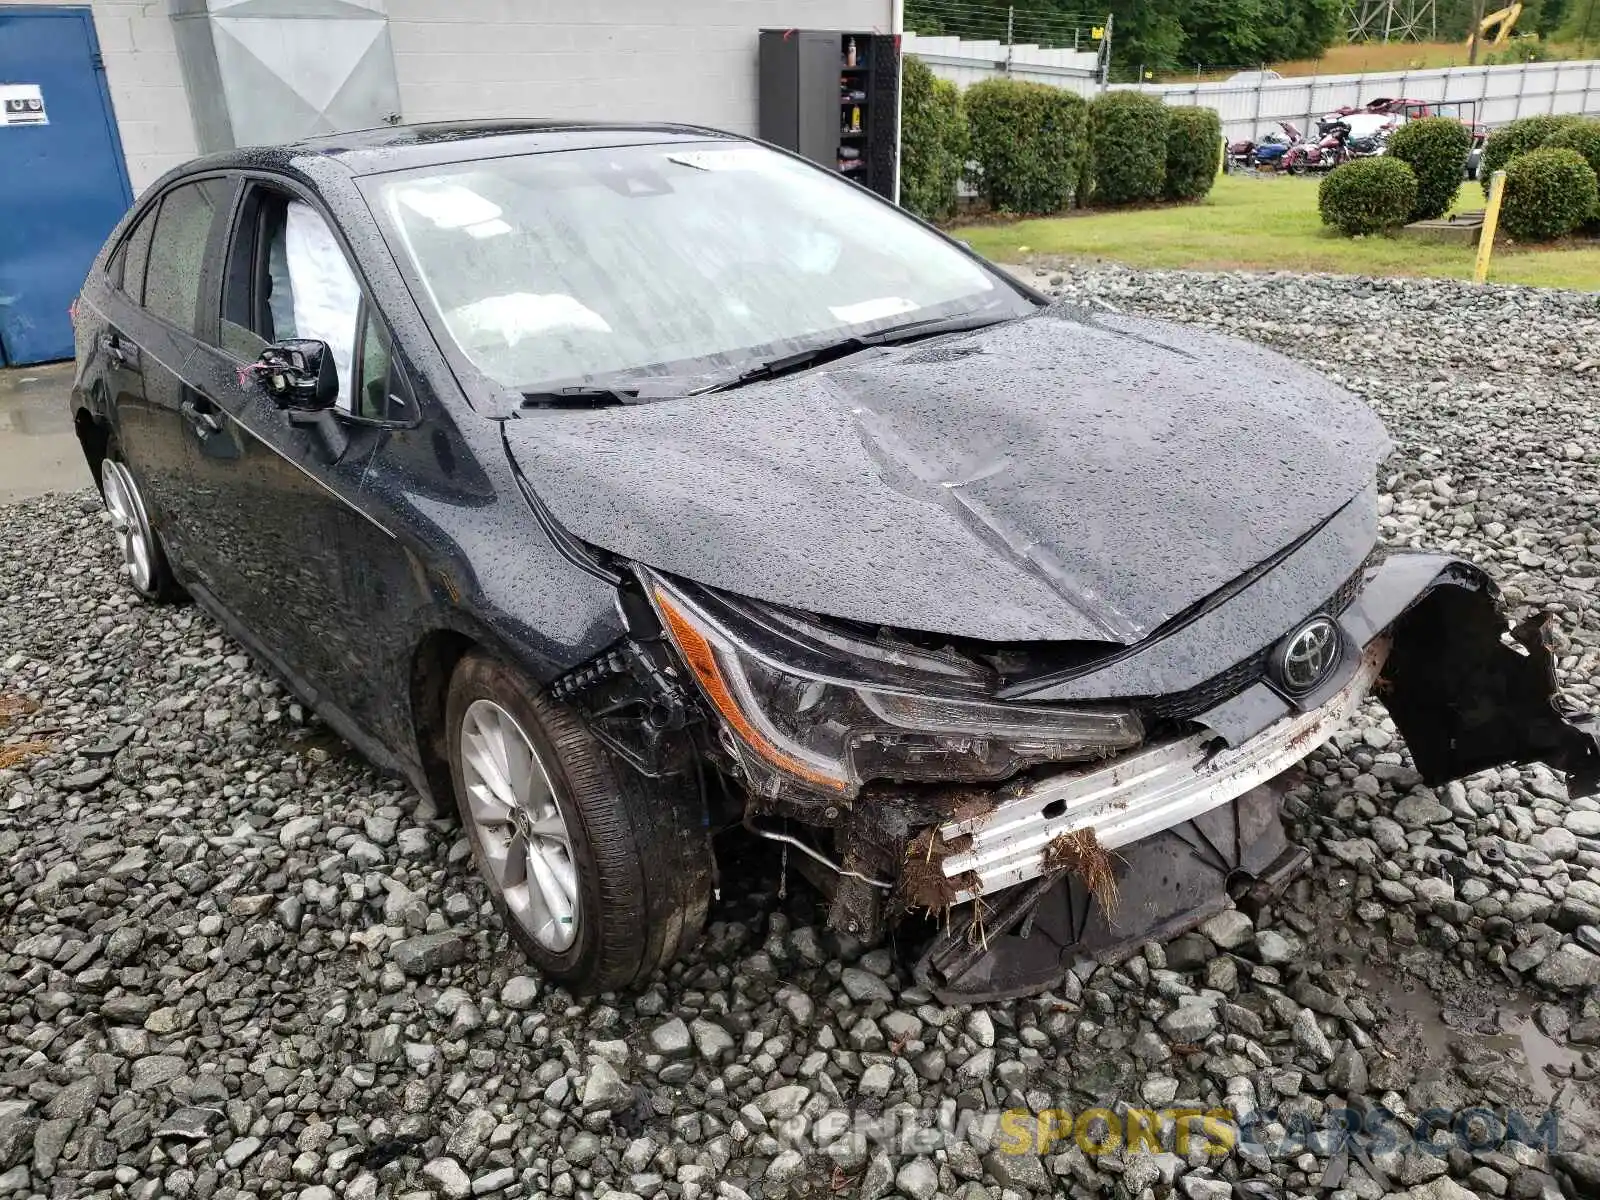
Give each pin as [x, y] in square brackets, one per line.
[671, 60]
[146, 85]
[683, 60]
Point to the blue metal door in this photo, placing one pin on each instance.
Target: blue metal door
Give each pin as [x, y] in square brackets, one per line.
[63, 183]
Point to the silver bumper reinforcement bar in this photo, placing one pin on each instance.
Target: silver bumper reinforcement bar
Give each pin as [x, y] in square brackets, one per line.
[1142, 792]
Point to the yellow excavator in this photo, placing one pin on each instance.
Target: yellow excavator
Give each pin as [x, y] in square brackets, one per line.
[1499, 24]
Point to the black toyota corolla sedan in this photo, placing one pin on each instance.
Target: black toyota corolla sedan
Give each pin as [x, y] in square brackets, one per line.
[630, 483]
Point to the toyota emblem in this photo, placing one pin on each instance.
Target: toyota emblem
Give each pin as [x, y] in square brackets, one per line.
[1307, 656]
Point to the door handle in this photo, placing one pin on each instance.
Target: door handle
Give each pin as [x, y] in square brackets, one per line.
[201, 418]
[119, 351]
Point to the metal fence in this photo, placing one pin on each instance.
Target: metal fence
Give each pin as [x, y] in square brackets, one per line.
[1494, 95]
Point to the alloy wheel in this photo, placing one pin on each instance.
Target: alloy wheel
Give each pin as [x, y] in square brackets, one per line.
[521, 828]
[132, 526]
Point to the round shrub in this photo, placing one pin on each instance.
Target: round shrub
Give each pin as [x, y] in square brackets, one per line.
[933, 141]
[1549, 192]
[1584, 137]
[1519, 137]
[1128, 147]
[1368, 195]
[1436, 149]
[1029, 141]
[1194, 147]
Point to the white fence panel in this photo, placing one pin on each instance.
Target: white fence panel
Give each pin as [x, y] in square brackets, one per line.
[1499, 94]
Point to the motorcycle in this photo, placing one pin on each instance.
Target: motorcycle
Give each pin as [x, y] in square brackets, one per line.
[1268, 152]
[1330, 150]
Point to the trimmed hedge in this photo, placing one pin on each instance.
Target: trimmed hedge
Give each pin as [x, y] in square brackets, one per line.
[1194, 149]
[1368, 195]
[1029, 141]
[1436, 149]
[1549, 193]
[1518, 137]
[933, 149]
[1128, 147]
[1584, 137]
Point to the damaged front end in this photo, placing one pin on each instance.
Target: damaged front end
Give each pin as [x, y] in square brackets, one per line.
[1037, 833]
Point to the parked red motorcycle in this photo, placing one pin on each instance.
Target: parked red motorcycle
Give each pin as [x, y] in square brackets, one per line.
[1330, 150]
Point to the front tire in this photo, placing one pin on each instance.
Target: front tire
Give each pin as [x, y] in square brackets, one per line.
[144, 559]
[601, 875]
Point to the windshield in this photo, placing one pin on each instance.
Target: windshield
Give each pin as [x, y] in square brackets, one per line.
[677, 260]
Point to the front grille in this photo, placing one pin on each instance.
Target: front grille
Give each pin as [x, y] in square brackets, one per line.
[1180, 706]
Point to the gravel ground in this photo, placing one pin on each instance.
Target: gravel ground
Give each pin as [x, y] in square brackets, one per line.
[236, 961]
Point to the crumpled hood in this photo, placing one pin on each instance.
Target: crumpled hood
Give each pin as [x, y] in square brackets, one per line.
[1066, 476]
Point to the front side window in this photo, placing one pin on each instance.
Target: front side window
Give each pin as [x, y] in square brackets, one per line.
[288, 278]
[671, 260]
[178, 249]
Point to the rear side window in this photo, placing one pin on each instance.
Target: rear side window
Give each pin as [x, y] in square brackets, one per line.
[128, 263]
[178, 250]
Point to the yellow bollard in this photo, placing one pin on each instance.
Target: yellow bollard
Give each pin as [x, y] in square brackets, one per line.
[1491, 219]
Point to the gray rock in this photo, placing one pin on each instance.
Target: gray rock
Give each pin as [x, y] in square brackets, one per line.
[429, 952]
[918, 1179]
[446, 1177]
[862, 986]
[76, 1100]
[604, 1090]
[1570, 969]
[1191, 1021]
[155, 1070]
[1197, 1187]
[241, 1151]
[1230, 929]
[670, 1039]
[710, 1039]
[1308, 1036]
[519, 993]
[1277, 949]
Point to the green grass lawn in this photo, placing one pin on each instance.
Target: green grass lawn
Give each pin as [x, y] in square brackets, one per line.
[1269, 223]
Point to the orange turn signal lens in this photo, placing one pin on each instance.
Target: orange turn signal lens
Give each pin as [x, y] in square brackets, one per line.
[702, 660]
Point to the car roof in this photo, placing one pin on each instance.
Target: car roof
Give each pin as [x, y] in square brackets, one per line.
[399, 147]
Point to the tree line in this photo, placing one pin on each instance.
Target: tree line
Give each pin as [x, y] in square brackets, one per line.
[1161, 36]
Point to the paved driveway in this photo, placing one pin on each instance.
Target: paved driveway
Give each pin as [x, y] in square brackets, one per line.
[38, 449]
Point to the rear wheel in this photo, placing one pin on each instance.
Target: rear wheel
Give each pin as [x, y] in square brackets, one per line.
[601, 875]
[144, 561]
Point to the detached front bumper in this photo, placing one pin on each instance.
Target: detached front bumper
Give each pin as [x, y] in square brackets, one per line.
[1425, 632]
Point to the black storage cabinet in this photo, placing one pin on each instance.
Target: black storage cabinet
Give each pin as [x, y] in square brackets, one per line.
[815, 102]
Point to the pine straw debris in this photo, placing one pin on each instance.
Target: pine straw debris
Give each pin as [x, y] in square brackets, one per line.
[923, 883]
[18, 753]
[1081, 853]
[12, 707]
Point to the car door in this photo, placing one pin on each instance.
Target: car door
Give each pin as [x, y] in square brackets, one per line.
[146, 342]
[300, 551]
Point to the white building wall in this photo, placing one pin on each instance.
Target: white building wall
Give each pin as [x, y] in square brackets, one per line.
[687, 60]
[146, 85]
[665, 60]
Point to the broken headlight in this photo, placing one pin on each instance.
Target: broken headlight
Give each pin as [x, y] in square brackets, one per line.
[826, 730]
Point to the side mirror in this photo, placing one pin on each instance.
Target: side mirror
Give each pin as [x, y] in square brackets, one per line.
[300, 375]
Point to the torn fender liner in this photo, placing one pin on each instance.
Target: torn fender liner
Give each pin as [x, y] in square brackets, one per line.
[1465, 698]
[1023, 940]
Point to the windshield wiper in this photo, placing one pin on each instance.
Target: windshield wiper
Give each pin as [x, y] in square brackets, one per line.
[854, 344]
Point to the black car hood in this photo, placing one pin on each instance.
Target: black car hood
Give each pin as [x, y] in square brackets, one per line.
[1065, 476]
